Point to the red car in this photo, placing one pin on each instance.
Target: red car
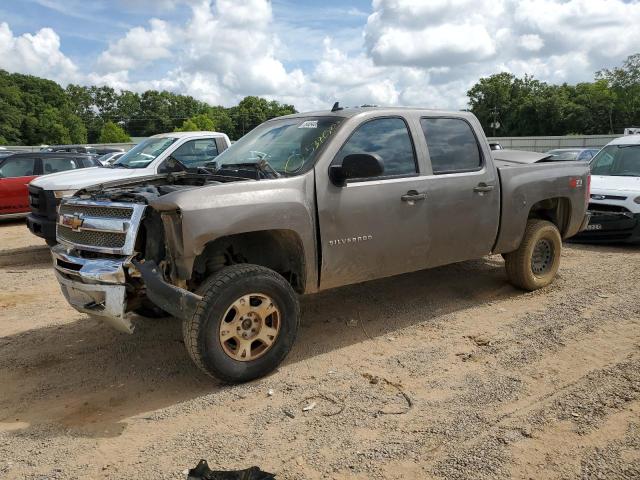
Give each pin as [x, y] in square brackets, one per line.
[17, 170]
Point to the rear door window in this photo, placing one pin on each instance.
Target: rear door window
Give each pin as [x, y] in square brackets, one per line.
[452, 145]
[59, 164]
[17, 167]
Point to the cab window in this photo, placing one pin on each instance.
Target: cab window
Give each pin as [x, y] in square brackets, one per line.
[196, 152]
[387, 137]
[452, 145]
[17, 167]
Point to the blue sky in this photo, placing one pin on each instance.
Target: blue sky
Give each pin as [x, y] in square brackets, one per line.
[409, 52]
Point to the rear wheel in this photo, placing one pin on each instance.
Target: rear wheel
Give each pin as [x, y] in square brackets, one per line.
[536, 261]
[245, 324]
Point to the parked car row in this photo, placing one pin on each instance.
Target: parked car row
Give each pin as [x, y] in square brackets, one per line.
[614, 206]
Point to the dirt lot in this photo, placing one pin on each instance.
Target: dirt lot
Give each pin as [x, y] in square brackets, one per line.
[450, 373]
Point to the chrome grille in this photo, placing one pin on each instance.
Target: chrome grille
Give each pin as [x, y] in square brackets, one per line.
[91, 238]
[96, 211]
[96, 226]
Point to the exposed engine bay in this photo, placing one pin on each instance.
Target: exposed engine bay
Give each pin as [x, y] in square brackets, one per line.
[146, 189]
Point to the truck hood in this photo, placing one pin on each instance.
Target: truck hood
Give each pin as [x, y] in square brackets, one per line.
[600, 183]
[85, 177]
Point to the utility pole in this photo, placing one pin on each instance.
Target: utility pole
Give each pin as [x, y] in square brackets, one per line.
[494, 124]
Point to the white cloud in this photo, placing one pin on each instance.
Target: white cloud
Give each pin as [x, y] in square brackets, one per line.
[137, 48]
[411, 52]
[531, 42]
[431, 34]
[36, 54]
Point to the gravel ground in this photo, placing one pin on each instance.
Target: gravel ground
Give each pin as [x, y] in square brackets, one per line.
[14, 234]
[449, 373]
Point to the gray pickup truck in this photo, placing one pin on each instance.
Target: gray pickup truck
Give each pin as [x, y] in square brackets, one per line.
[305, 203]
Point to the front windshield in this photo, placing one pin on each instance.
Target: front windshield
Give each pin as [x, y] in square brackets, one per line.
[144, 153]
[564, 154]
[617, 161]
[288, 145]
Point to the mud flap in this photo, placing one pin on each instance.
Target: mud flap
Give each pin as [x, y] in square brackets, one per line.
[203, 472]
[176, 301]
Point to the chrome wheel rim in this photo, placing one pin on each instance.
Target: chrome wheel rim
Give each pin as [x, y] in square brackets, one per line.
[249, 327]
[542, 257]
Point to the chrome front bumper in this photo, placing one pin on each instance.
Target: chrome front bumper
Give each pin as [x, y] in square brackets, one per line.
[94, 286]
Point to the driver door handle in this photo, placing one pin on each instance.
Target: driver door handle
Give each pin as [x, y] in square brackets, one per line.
[482, 187]
[413, 196]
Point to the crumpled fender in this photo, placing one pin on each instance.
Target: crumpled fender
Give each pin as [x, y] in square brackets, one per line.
[176, 301]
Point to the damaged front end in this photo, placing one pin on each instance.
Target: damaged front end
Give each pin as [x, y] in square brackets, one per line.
[113, 259]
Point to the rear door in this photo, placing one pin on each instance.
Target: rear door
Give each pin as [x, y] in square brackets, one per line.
[377, 227]
[463, 204]
[15, 175]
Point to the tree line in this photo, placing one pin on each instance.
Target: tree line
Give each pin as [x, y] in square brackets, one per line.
[507, 105]
[36, 111]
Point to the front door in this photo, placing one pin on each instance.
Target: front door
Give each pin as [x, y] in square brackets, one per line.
[374, 227]
[15, 175]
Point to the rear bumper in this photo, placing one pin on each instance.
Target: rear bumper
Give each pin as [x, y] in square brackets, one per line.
[611, 227]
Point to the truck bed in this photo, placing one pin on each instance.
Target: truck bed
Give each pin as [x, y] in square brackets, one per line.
[523, 185]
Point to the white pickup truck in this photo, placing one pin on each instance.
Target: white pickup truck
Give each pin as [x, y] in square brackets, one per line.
[156, 154]
[615, 193]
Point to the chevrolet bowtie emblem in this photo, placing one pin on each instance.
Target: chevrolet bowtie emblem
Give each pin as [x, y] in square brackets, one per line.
[74, 222]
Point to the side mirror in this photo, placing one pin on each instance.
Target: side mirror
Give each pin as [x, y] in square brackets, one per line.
[171, 165]
[356, 165]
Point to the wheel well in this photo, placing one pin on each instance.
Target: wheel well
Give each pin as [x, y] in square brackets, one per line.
[555, 210]
[279, 250]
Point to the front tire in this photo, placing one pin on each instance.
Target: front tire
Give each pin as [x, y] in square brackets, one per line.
[245, 324]
[536, 261]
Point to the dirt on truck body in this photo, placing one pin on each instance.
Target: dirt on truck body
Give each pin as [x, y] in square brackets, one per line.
[301, 204]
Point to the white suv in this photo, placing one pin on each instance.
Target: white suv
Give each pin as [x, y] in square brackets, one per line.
[615, 192]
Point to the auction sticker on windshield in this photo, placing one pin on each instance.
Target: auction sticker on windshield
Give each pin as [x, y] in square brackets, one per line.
[309, 124]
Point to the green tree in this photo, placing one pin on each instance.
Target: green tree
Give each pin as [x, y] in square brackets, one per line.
[527, 106]
[252, 111]
[200, 122]
[34, 111]
[625, 83]
[113, 133]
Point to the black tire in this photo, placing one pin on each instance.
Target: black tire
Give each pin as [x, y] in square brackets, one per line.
[202, 332]
[524, 271]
